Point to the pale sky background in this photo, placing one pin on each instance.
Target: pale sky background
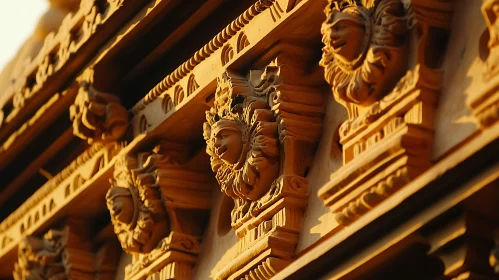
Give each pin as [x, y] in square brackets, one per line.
[18, 19]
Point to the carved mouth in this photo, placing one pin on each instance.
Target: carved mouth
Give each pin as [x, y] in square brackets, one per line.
[116, 211]
[221, 151]
[338, 44]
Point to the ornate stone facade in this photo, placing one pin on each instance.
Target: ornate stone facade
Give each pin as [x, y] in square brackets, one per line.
[265, 139]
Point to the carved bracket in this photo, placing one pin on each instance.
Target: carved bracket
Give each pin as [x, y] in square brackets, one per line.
[64, 254]
[388, 137]
[159, 202]
[97, 116]
[261, 134]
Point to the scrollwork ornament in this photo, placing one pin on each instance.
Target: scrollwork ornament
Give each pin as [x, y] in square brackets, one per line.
[365, 49]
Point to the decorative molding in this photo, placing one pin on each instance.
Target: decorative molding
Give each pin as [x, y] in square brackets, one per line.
[54, 194]
[388, 136]
[97, 116]
[62, 254]
[159, 202]
[258, 30]
[261, 134]
[483, 99]
[218, 42]
[56, 101]
[75, 30]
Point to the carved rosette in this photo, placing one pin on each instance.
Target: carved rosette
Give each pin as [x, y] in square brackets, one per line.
[159, 203]
[483, 99]
[387, 138]
[97, 116]
[63, 254]
[261, 133]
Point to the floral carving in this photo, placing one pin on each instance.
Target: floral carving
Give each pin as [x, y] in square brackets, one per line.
[98, 116]
[365, 49]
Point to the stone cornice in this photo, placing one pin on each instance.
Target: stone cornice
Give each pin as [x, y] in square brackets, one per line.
[55, 105]
[206, 51]
[57, 53]
[47, 203]
[241, 40]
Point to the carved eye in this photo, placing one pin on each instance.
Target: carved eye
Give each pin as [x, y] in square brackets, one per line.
[339, 26]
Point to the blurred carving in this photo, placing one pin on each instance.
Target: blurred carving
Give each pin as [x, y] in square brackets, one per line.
[159, 201]
[97, 116]
[483, 99]
[63, 254]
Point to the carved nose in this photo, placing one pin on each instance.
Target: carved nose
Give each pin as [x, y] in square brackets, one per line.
[217, 144]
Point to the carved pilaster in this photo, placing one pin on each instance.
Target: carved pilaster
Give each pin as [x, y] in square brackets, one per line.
[261, 134]
[388, 136]
[97, 116]
[483, 99]
[159, 203]
[63, 254]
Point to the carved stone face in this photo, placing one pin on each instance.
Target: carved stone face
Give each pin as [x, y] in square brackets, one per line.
[120, 205]
[227, 140]
[347, 35]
